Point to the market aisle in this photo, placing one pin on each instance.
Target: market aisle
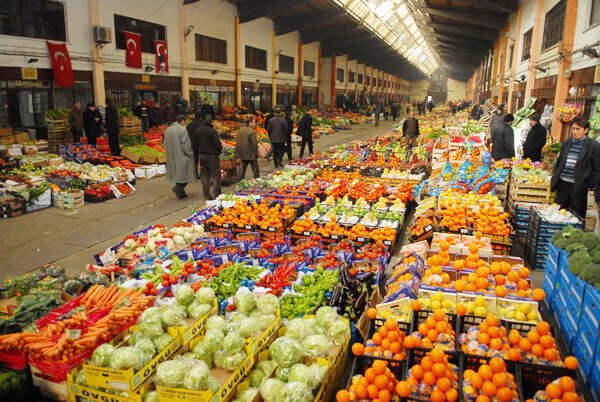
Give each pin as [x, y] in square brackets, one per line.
[70, 239]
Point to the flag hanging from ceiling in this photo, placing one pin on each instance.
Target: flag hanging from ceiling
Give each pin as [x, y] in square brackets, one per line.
[133, 49]
[61, 64]
[162, 56]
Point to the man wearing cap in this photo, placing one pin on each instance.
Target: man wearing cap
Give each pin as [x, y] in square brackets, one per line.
[536, 139]
[498, 118]
[503, 139]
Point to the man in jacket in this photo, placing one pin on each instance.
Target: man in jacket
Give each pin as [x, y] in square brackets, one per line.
[207, 111]
[157, 117]
[168, 113]
[410, 128]
[277, 129]
[192, 129]
[395, 111]
[246, 148]
[92, 123]
[76, 122]
[577, 169]
[210, 148]
[305, 131]
[288, 135]
[180, 158]
[536, 139]
[498, 118]
[503, 139]
[112, 127]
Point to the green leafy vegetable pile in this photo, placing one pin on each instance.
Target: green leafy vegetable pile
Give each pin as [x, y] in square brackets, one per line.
[584, 253]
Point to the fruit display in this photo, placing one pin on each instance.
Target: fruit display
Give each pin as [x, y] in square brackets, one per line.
[491, 381]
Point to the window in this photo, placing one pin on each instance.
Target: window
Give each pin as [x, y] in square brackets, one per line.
[147, 30]
[368, 80]
[309, 68]
[526, 45]
[510, 55]
[256, 58]
[553, 25]
[360, 78]
[351, 76]
[286, 64]
[595, 12]
[374, 82]
[33, 19]
[339, 74]
[211, 49]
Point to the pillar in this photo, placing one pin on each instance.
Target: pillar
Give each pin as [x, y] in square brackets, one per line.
[564, 65]
[496, 64]
[273, 69]
[238, 66]
[185, 75]
[97, 56]
[300, 73]
[536, 46]
[515, 56]
[319, 75]
[333, 81]
[503, 65]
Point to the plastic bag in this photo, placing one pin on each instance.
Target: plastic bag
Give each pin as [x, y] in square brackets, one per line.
[170, 374]
[286, 351]
[102, 356]
[245, 300]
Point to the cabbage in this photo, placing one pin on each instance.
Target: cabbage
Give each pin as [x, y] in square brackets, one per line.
[174, 315]
[102, 356]
[338, 331]
[170, 373]
[245, 300]
[231, 326]
[298, 329]
[266, 366]
[256, 377]
[213, 384]
[266, 320]
[205, 295]
[316, 345]
[184, 295]
[152, 326]
[267, 304]
[80, 378]
[247, 395]
[196, 377]
[270, 389]
[227, 361]
[189, 356]
[325, 316]
[145, 358]
[248, 327]
[203, 351]
[132, 338]
[215, 322]
[233, 343]
[319, 372]
[146, 345]
[197, 310]
[314, 327]
[126, 357]
[161, 342]
[151, 313]
[282, 373]
[302, 373]
[286, 351]
[151, 396]
[295, 392]
[214, 339]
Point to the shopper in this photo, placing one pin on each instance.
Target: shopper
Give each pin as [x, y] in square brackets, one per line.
[305, 131]
[410, 128]
[430, 106]
[156, 115]
[192, 129]
[503, 139]
[246, 148]
[288, 135]
[112, 127]
[207, 111]
[268, 117]
[498, 118]
[76, 122]
[92, 123]
[141, 112]
[577, 169]
[168, 113]
[395, 111]
[180, 158]
[277, 129]
[377, 111]
[536, 139]
[210, 148]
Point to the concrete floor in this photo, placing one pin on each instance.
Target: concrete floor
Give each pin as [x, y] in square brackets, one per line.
[71, 239]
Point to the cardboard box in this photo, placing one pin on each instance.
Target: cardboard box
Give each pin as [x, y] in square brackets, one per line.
[149, 159]
[135, 158]
[22, 137]
[161, 159]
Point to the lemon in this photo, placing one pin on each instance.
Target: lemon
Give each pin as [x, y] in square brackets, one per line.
[471, 307]
[480, 301]
[480, 311]
[524, 308]
[519, 316]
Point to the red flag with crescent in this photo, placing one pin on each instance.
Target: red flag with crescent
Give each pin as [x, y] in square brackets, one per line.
[61, 64]
[162, 56]
[133, 49]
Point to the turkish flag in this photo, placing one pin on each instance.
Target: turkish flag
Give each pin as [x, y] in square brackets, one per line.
[133, 49]
[162, 56]
[61, 64]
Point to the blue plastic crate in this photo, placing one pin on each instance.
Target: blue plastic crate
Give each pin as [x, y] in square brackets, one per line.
[590, 312]
[583, 350]
[550, 269]
[548, 287]
[567, 317]
[563, 259]
[577, 289]
[553, 253]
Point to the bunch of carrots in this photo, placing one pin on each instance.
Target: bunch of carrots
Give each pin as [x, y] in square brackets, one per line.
[102, 313]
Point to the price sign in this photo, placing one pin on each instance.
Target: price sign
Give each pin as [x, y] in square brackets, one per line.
[428, 228]
[248, 227]
[271, 229]
[226, 225]
[306, 233]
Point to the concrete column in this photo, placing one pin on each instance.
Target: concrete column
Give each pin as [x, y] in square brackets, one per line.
[238, 63]
[515, 56]
[319, 76]
[536, 46]
[273, 69]
[300, 73]
[346, 75]
[503, 66]
[333, 81]
[496, 59]
[185, 75]
[564, 66]
[97, 55]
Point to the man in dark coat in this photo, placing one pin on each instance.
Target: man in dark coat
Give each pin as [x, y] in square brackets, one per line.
[498, 118]
[305, 131]
[92, 123]
[277, 129]
[503, 139]
[178, 150]
[207, 111]
[577, 169]
[76, 122]
[157, 117]
[536, 139]
[210, 148]
[112, 127]
[168, 113]
[192, 128]
[410, 128]
[395, 111]
[246, 148]
[288, 135]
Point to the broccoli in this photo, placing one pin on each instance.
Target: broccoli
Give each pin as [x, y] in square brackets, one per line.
[595, 254]
[572, 248]
[591, 273]
[590, 241]
[579, 261]
[566, 236]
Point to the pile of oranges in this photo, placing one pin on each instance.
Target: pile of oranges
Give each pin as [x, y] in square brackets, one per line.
[434, 378]
[436, 330]
[489, 338]
[256, 214]
[563, 389]
[304, 225]
[490, 220]
[472, 261]
[386, 342]
[423, 221]
[491, 382]
[454, 216]
[377, 384]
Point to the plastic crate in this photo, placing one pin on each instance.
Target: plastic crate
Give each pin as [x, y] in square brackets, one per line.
[553, 253]
[590, 312]
[416, 355]
[548, 287]
[535, 377]
[584, 347]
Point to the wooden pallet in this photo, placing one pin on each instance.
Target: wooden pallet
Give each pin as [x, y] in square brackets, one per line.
[130, 126]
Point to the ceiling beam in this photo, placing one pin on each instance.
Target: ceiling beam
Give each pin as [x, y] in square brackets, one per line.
[459, 48]
[463, 41]
[350, 39]
[290, 24]
[499, 8]
[249, 10]
[320, 34]
[471, 17]
[467, 30]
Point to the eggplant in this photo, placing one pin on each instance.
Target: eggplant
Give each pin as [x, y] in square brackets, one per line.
[336, 296]
[346, 279]
[360, 303]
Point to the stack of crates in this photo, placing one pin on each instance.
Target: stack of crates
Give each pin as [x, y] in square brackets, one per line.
[550, 273]
[519, 216]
